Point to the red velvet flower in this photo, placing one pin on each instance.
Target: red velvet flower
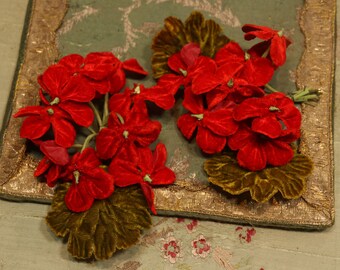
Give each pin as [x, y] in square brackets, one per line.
[182, 64]
[68, 94]
[49, 170]
[129, 126]
[277, 41]
[155, 94]
[41, 118]
[56, 157]
[213, 125]
[118, 77]
[89, 181]
[91, 72]
[144, 168]
[257, 150]
[231, 64]
[271, 114]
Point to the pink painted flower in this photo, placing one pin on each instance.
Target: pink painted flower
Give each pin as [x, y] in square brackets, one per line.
[171, 248]
[245, 234]
[200, 247]
[191, 227]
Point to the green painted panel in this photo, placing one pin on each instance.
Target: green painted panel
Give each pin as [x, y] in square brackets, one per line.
[126, 27]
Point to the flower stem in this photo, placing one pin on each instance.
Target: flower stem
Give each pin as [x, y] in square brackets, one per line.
[92, 130]
[271, 88]
[106, 110]
[96, 113]
[87, 141]
[77, 145]
[306, 95]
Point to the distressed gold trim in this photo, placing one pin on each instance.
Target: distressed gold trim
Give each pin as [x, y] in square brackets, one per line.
[315, 210]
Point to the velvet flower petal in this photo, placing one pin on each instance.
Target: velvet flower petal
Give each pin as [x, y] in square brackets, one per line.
[257, 150]
[277, 41]
[146, 169]
[214, 125]
[273, 107]
[89, 181]
[41, 118]
[127, 128]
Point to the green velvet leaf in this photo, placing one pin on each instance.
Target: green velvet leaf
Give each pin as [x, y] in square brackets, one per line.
[175, 34]
[289, 180]
[108, 226]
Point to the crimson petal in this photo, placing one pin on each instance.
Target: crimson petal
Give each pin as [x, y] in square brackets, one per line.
[187, 125]
[34, 127]
[278, 153]
[252, 156]
[54, 152]
[77, 198]
[80, 113]
[268, 126]
[99, 183]
[163, 176]
[64, 132]
[132, 65]
[108, 143]
[209, 142]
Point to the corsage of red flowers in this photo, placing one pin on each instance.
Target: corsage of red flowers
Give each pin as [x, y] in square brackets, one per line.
[227, 104]
[69, 96]
[100, 147]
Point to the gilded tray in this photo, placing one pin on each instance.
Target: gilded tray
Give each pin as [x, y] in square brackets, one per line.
[49, 35]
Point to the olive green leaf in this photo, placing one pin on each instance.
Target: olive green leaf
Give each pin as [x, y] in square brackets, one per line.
[175, 34]
[289, 180]
[108, 226]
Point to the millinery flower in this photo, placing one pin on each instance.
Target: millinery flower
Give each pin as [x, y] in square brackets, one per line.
[89, 181]
[271, 114]
[156, 94]
[183, 67]
[144, 168]
[118, 77]
[68, 94]
[256, 150]
[127, 127]
[213, 125]
[91, 72]
[277, 42]
[51, 165]
[232, 64]
[41, 118]
[176, 34]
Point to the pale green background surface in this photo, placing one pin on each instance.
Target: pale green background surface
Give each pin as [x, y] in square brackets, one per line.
[26, 242]
[127, 28]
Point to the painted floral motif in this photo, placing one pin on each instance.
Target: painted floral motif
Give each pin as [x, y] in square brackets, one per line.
[245, 234]
[200, 247]
[171, 248]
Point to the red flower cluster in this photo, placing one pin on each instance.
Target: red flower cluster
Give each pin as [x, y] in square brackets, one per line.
[226, 102]
[69, 91]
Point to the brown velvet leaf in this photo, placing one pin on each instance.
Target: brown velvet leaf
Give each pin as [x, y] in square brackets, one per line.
[289, 180]
[108, 226]
[175, 34]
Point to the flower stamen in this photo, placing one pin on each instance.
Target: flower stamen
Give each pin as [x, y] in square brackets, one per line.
[76, 175]
[230, 83]
[121, 119]
[184, 72]
[50, 111]
[137, 90]
[125, 134]
[55, 101]
[246, 56]
[147, 178]
[274, 109]
[198, 116]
